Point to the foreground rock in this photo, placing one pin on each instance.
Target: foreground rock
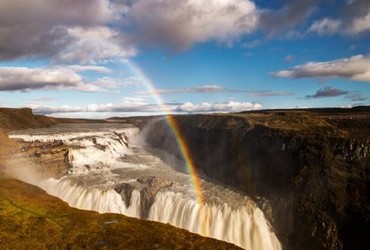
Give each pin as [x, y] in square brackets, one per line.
[149, 187]
[311, 168]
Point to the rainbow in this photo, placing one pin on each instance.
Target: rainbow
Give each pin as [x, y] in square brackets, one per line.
[175, 130]
[180, 141]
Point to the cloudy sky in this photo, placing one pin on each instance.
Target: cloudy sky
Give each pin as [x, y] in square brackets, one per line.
[101, 58]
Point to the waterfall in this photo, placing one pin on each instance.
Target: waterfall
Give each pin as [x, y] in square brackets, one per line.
[244, 226]
[106, 176]
[102, 201]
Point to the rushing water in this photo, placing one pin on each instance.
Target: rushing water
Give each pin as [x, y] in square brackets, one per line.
[105, 157]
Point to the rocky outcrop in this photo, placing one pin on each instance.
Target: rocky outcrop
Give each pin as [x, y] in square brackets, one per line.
[149, 187]
[47, 159]
[312, 169]
[152, 186]
[125, 190]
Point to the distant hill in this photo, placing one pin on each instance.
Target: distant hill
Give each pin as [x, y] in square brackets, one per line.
[358, 109]
[12, 119]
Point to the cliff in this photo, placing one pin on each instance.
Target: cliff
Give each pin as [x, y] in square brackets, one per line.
[309, 170]
[12, 119]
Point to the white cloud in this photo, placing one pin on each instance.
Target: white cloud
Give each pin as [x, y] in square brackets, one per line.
[355, 68]
[27, 79]
[89, 45]
[112, 83]
[100, 108]
[230, 106]
[134, 106]
[80, 68]
[60, 77]
[180, 24]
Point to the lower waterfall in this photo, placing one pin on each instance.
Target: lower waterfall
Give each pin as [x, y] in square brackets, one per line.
[245, 226]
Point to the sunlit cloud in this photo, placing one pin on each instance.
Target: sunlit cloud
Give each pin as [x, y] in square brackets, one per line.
[355, 68]
[28, 79]
[230, 106]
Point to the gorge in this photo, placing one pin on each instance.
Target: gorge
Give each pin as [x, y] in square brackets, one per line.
[270, 179]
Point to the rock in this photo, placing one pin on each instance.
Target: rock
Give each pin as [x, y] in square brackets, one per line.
[147, 194]
[150, 187]
[51, 158]
[154, 183]
[125, 190]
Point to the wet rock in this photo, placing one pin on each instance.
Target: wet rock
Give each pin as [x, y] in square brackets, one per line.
[154, 182]
[125, 190]
[149, 187]
[147, 194]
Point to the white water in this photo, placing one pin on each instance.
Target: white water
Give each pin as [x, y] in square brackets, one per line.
[244, 226]
[103, 201]
[225, 215]
[98, 150]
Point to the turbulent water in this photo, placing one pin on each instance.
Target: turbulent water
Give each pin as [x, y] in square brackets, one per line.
[114, 171]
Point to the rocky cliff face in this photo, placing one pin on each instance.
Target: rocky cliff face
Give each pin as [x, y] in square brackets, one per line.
[309, 171]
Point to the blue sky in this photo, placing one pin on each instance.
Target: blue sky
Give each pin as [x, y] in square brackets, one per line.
[101, 58]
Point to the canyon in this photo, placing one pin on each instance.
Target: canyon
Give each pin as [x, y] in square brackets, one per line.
[307, 170]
